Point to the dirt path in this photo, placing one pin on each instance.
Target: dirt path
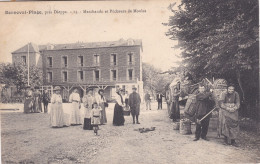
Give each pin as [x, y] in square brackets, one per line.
[29, 139]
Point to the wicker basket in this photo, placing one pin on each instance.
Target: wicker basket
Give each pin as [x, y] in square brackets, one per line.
[185, 127]
[176, 125]
[126, 111]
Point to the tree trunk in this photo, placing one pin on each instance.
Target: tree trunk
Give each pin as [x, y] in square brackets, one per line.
[240, 85]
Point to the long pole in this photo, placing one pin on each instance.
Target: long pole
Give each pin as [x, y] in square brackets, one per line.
[28, 66]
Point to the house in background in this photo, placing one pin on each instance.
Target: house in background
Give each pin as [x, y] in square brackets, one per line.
[95, 65]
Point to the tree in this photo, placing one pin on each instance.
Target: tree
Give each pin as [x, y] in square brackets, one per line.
[219, 39]
[153, 80]
[18, 75]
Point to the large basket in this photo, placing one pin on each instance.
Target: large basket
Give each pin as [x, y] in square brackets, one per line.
[126, 111]
[185, 127]
[176, 125]
[190, 107]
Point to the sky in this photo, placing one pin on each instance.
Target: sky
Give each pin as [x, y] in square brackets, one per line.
[17, 30]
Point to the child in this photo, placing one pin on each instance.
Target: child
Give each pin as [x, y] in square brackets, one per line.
[95, 117]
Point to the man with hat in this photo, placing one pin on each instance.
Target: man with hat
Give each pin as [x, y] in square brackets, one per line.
[203, 107]
[134, 103]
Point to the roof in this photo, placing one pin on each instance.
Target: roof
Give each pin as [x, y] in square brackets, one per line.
[79, 45]
[32, 48]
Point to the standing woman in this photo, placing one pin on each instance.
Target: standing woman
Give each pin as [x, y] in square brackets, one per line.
[102, 102]
[88, 101]
[175, 108]
[28, 102]
[45, 100]
[37, 105]
[229, 105]
[119, 119]
[56, 113]
[75, 113]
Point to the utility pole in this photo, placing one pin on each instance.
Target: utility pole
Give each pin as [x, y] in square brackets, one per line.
[28, 66]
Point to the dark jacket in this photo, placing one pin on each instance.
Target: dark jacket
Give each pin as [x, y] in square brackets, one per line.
[159, 98]
[203, 103]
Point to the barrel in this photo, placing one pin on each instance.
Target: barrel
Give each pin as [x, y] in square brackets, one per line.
[185, 126]
[176, 125]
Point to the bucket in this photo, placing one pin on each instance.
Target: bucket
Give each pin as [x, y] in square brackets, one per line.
[176, 125]
[185, 126]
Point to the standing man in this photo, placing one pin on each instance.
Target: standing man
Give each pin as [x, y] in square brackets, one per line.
[159, 99]
[202, 109]
[134, 103]
[45, 100]
[147, 99]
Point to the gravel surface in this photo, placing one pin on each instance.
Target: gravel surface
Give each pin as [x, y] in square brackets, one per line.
[28, 138]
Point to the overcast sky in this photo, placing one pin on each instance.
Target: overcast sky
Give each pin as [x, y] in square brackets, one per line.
[18, 30]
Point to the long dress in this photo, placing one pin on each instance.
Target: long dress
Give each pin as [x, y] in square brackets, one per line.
[101, 102]
[175, 108]
[134, 103]
[228, 115]
[56, 113]
[118, 118]
[28, 102]
[75, 113]
[37, 105]
[88, 101]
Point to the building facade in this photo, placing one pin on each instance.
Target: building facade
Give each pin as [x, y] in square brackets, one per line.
[105, 65]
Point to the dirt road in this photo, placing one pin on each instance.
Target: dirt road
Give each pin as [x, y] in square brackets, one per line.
[28, 138]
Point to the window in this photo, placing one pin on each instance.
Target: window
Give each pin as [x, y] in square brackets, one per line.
[97, 73]
[130, 74]
[49, 77]
[80, 61]
[113, 75]
[49, 61]
[64, 61]
[130, 58]
[113, 59]
[24, 59]
[80, 76]
[65, 76]
[96, 59]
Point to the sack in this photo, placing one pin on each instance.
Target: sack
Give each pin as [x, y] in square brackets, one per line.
[191, 105]
[105, 104]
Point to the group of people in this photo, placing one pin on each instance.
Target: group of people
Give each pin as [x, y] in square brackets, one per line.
[229, 104]
[147, 99]
[133, 102]
[34, 99]
[94, 109]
